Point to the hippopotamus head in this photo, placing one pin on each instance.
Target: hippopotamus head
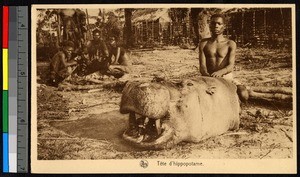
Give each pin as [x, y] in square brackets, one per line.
[162, 114]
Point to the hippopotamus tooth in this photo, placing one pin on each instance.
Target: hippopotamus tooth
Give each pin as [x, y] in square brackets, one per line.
[191, 110]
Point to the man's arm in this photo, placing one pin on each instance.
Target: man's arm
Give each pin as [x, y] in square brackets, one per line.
[118, 53]
[202, 59]
[124, 64]
[231, 61]
[65, 63]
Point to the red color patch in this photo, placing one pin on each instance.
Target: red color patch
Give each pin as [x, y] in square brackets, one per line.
[5, 27]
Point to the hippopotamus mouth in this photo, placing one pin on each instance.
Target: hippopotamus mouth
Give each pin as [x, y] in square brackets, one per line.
[148, 132]
[149, 125]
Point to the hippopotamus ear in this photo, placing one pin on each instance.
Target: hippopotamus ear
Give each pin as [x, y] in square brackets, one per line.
[211, 90]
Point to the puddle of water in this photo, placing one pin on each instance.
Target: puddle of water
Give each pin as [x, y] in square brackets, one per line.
[107, 126]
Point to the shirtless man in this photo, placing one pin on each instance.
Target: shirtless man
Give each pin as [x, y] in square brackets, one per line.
[119, 59]
[97, 47]
[98, 54]
[217, 54]
[61, 64]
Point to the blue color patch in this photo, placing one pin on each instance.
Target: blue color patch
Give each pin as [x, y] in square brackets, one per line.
[5, 153]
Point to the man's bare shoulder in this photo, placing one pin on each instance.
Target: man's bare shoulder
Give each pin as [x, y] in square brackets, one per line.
[203, 42]
[62, 54]
[59, 54]
[231, 43]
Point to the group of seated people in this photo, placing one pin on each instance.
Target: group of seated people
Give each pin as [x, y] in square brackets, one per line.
[216, 57]
[97, 56]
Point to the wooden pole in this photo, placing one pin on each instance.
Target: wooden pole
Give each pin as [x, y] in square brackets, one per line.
[282, 90]
[160, 32]
[103, 15]
[265, 22]
[171, 31]
[142, 31]
[188, 24]
[242, 40]
[271, 96]
[88, 22]
[253, 24]
[152, 30]
[58, 29]
[146, 28]
[136, 33]
[282, 22]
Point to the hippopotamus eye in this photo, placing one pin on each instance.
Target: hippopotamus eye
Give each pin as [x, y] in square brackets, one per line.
[190, 84]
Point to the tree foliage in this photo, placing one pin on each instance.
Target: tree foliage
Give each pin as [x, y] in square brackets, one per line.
[44, 18]
[178, 15]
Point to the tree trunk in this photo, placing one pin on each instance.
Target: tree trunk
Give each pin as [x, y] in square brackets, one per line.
[58, 31]
[203, 25]
[195, 19]
[128, 37]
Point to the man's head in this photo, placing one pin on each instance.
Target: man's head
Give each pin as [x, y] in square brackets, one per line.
[217, 24]
[96, 34]
[112, 41]
[69, 48]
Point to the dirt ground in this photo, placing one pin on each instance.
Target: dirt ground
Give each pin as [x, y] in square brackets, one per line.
[86, 124]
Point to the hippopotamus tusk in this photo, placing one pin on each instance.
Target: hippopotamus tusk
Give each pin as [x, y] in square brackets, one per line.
[158, 126]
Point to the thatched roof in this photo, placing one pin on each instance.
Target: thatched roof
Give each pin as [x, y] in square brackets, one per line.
[142, 15]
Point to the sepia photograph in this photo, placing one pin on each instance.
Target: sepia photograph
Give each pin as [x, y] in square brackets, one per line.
[191, 88]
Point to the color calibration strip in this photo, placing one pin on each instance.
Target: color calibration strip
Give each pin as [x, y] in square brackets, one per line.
[15, 89]
[12, 89]
[5, 89]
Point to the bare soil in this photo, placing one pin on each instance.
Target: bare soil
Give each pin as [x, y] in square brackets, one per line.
[86, 124]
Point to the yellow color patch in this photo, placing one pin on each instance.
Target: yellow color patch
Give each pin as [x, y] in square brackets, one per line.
[5, 68]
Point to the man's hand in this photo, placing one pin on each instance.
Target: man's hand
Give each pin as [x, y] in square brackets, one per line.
[217, 74]
[72, 63]
[77, 58]
[205, 74]
[112, 67]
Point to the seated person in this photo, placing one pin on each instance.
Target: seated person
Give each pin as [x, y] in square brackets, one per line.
[217, 55]
[98, 54]
[119, 60]
[97, 47]
[61, 64]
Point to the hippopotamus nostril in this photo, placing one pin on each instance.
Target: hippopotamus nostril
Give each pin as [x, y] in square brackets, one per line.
[179, 84]
[190, 84]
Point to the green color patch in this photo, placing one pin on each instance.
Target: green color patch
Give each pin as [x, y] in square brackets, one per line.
[5, 111]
